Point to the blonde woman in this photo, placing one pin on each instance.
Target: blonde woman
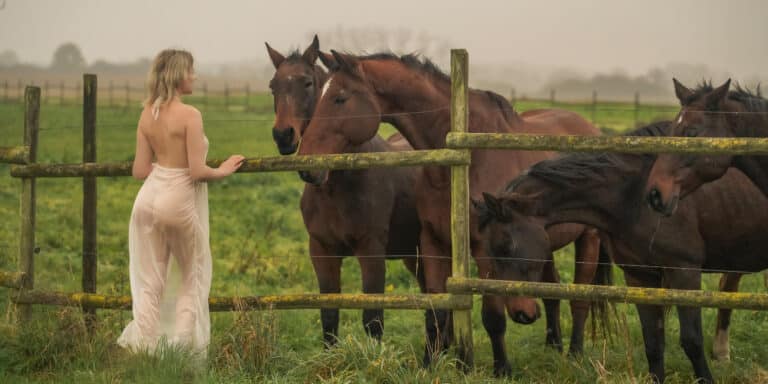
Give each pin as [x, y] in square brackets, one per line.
[169, 223]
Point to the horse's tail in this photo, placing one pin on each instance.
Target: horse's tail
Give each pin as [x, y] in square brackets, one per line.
[599, 310]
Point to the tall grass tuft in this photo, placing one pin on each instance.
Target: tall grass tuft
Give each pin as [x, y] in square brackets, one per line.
[248, 346]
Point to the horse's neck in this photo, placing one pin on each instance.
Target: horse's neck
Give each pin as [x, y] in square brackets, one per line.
[756, 168]
[375, 144]
[603, 208]
[423, 121]
[420, 108]
[750, 124]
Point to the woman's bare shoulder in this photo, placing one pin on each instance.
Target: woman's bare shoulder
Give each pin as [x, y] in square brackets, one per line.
[189, 111]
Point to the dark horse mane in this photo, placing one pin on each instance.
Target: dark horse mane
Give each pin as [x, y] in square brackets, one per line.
[582, 171]
[295, 55]
[753, 101]
[425, 65]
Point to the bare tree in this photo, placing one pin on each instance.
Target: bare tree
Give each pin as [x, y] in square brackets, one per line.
[8, 58]
[68, 58]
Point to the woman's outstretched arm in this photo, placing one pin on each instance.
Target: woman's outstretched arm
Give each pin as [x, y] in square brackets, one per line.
[196, 153]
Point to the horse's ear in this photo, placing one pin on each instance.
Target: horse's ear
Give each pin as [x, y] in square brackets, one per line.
[348, 63]
[682, 92]
[493, 205]
[276, 57]
[483, 215]
[310, 54]
[718, 96]
[328, 60]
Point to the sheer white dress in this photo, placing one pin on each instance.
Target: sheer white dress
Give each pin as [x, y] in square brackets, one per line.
[170, 263]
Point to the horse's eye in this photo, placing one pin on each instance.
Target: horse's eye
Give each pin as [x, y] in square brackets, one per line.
[308, 84]
[340, 100]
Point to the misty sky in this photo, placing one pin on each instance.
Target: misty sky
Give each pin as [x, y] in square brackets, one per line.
[593, 35]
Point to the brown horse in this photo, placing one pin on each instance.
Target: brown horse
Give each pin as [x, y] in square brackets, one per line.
[716, 229]
[709, 112]
[366, 213]
[414, 96]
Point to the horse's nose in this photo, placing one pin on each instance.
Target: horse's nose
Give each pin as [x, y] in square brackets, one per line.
[284, 140]
[521, 317]
[654, 200]
[307, 177]
[283, 135]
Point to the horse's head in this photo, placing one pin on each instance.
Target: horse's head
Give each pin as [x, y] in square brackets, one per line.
[704, 112]
[347, 113]
[518, 245]
[295, 87]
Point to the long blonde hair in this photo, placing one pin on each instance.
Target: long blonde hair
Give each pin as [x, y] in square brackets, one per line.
[169, 69]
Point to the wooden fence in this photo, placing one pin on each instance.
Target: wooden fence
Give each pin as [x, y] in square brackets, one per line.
[457, 156]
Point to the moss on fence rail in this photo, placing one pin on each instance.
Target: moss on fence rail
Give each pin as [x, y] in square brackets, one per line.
[658, 296]
[295, 301]
[14, 155]
[11, 279]
[626, 144]
[266, 164]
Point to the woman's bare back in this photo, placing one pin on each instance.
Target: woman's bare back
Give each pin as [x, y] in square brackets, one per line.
[167, 134]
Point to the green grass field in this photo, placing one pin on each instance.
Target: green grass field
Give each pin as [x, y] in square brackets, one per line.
[259, 247]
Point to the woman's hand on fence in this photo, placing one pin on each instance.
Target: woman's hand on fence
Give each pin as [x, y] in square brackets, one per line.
[230, 165]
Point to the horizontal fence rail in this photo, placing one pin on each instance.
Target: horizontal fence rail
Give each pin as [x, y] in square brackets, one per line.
[290, 301]
[625, 144]
[14, 155]
[444, 157]
[654, 296]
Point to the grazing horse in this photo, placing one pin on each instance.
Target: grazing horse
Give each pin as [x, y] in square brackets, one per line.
[414, 96]
[716, 229]
[367, 213]
[709, 112]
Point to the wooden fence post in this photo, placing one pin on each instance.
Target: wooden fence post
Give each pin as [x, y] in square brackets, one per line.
[462, 319]
[27, 240]
[205, 95]
[127, 94]
[247, 96]
[637, 109]
[594, 107]
[89, 193]
[552, 97]
[226, 97]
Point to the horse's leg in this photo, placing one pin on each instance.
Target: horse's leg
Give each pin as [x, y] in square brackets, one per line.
[587, 249]
[370, 255]
[691, 335]
[652, 322]
[552, 308]
[721, 349]
[495, 324]
[437, 268]
[328, 272]
[494, 314]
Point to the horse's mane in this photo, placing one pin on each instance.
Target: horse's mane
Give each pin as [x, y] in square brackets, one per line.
[753, 101]
[293, 56]
[585, 170]
[425, 65]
